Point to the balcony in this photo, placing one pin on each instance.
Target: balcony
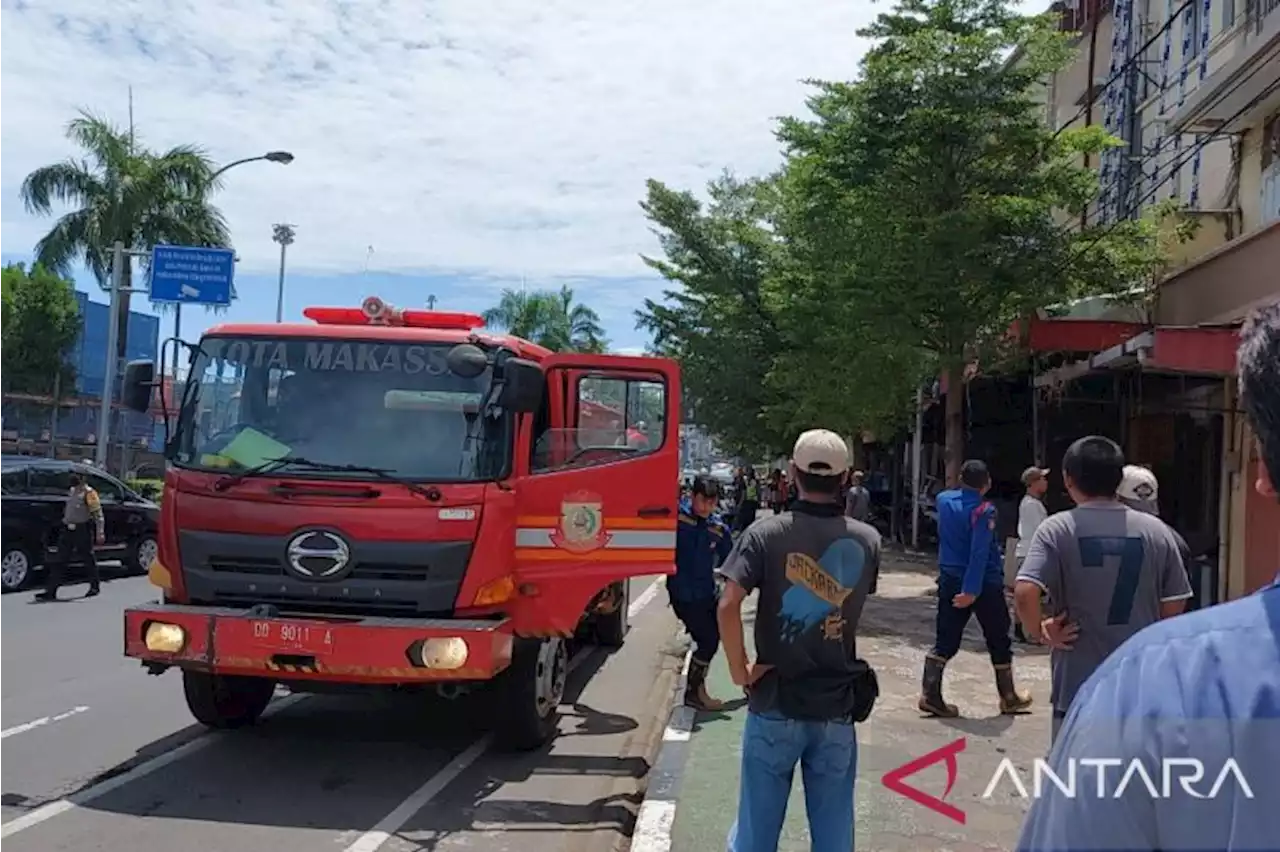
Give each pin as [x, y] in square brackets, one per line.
[1251, 66]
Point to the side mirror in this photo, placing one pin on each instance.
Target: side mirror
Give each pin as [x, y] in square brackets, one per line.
[522, 385]
[467, 360]
[137, 386]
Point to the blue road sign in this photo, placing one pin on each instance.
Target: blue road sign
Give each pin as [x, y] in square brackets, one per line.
[192, 275]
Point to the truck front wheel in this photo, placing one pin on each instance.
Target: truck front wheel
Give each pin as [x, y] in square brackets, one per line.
[226, 701]
[532, 689]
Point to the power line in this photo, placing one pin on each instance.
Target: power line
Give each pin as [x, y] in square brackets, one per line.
[1098, 91]
[1177, 167]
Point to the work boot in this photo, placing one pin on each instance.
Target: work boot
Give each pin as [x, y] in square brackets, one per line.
[931, 690]
[695, 688]
[1012, 700]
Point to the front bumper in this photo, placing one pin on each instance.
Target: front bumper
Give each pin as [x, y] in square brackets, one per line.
[368, 650]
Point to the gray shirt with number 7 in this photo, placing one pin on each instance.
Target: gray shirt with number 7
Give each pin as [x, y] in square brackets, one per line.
[1109, 568]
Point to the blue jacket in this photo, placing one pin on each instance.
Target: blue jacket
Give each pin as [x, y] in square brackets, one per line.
[967, 545]
[701, 544]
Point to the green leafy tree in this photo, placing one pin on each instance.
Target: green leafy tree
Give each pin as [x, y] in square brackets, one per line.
[928, 194]
[721, 319]
[550, 318]
[119, 191]
[41, 322]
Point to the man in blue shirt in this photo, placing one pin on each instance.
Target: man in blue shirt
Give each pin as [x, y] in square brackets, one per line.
[702, 542]
[971, 582]
[1199, 687]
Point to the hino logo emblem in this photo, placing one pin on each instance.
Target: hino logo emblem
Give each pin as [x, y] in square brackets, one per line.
[317, 555]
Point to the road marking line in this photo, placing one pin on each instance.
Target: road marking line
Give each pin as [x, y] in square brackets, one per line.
[658, 810]
[391, 823]
[646, 596]
[41, 722]
[61, 806]
[385, 829]
[368, 842]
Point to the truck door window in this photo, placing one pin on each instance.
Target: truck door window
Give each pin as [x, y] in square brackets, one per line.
[617, 419]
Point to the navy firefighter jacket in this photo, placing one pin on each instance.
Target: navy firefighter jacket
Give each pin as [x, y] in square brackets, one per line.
[701, 544]
[967, 546]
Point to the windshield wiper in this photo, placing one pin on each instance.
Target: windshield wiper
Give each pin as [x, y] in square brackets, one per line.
[266, 467]
[272, 465]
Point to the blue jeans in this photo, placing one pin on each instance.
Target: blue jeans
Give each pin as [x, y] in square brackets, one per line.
[828, 756]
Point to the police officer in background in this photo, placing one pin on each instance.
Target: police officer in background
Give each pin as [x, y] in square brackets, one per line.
[82, 527]
[702, 543]
[971, 582]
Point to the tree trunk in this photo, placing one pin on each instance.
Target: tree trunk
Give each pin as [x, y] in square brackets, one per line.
[955, 424]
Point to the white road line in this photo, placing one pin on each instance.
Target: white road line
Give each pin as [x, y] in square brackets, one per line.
[374, 838]
[647, 595]
[61, 806]
[657, 815]
[367, 842]
[41, 722]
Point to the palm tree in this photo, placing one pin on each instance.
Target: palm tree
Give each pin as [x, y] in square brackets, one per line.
[574, 327]
[521, 313]
[549, 318]
[120, 192]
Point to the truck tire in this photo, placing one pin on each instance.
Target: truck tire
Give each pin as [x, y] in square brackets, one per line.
[226, 701]
[528, 702]
[611, 629]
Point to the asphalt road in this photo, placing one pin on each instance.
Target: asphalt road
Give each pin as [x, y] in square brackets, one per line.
[99, 755]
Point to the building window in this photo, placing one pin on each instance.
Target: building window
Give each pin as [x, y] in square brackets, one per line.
[1228, 13]
[1191, 31]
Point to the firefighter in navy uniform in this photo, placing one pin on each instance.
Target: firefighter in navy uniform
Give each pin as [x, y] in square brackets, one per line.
[702, 542]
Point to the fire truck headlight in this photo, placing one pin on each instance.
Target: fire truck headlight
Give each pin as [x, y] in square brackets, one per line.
[443, 653]
[164, 638]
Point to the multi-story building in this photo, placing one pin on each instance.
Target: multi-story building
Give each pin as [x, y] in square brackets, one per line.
[1192, 88]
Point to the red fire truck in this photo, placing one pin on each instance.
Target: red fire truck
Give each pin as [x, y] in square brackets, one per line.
[398, 498]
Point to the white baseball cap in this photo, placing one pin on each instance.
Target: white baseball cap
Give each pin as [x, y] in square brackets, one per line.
[821, 452]
[1139, 485]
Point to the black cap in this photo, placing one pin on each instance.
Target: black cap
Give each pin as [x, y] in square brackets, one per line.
[705, 486]
[974, 473]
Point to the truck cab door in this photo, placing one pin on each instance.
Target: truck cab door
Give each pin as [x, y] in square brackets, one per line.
[597, 500]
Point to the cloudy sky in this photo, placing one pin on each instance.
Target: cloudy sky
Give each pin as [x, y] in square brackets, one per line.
[470, 143]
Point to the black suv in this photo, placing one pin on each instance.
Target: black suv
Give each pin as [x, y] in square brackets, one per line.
[34, 493]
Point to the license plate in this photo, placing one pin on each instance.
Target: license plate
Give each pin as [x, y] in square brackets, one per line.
[314, 639]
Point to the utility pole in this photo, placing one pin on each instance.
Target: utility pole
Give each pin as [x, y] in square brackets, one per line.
[282, 234]
[113, 357]
[431, 303]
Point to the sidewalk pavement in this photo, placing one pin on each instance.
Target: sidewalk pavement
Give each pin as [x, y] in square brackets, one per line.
[692, 796]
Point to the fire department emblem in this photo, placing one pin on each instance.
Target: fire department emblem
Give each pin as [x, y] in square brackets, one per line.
[581, 527]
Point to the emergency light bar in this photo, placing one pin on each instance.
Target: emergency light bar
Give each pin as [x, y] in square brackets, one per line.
[374, 311]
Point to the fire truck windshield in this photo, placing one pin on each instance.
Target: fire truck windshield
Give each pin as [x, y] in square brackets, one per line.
[391, 406]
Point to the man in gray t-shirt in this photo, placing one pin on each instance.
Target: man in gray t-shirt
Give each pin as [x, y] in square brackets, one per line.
[1108, 570]
[813, 568]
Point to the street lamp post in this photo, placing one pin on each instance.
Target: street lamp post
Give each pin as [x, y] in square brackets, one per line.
[282, 234]
[284, 158]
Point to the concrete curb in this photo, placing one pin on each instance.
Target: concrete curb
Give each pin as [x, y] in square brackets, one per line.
[658, 810]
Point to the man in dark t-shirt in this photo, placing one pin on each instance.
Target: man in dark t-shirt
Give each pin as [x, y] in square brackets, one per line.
[814, 568]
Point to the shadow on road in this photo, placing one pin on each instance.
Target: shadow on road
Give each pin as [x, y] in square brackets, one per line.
[343, 762]
[911, 618]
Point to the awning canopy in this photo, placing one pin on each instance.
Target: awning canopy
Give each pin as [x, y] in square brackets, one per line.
[1203, 351]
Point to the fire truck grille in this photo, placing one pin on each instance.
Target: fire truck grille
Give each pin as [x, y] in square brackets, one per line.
[403, 578]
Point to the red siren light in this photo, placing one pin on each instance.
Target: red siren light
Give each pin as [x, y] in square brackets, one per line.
[374, 311]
